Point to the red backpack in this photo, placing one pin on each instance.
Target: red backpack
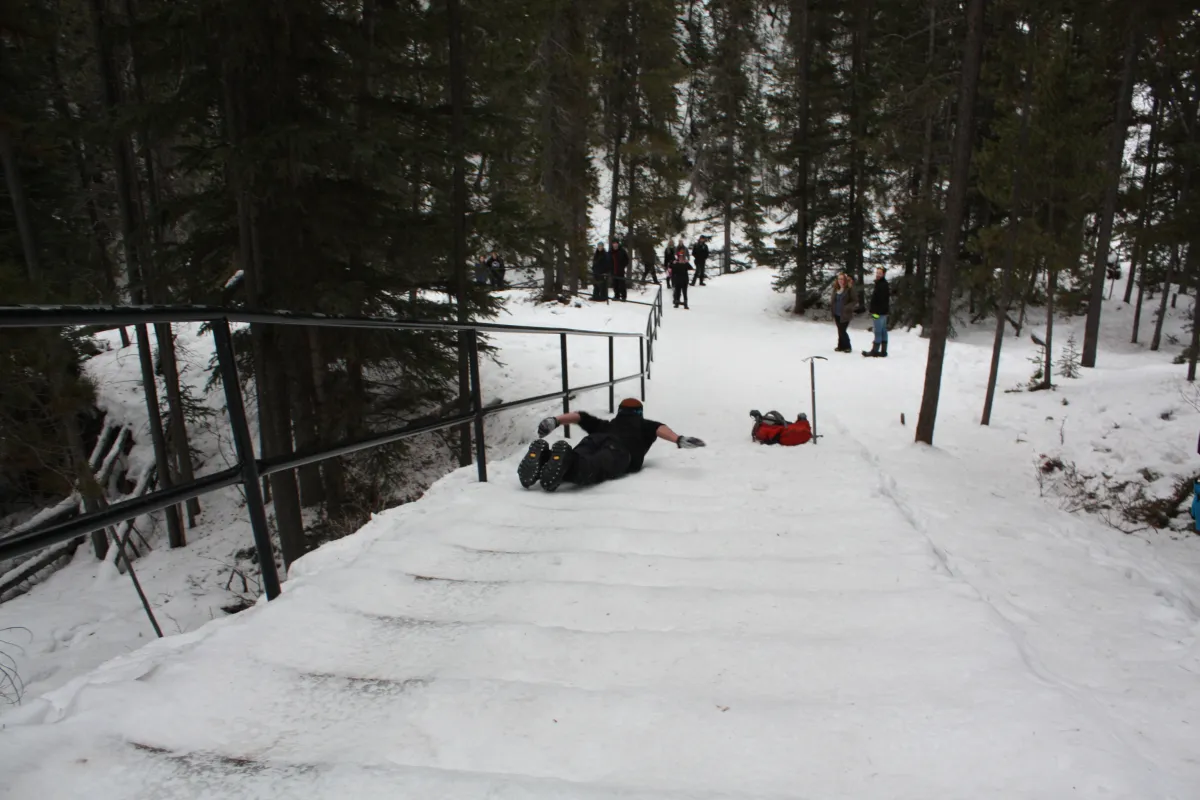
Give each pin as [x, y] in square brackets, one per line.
[772, 428]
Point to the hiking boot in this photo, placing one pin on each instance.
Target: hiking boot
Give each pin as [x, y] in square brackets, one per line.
[883, 350]
[530, 468]
[873, 352]
[559, 463]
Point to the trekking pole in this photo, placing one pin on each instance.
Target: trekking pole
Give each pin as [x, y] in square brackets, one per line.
[812, 378]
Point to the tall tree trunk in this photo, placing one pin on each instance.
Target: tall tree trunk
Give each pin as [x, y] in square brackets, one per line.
[1148, 181]
[925, 204]
[802, 28]
[131, 241]
[1051, 293]
[727, 217]
[858, 133]
[20, 206]
[615, 197]
[1172, 270]
[458, 211]
[304, 414]
[1014, 222]
[20, 202]
[1193, 269]
[162, 460]
[955, 206]
[335, 423]
[89, 490]
[1116, 151]
[97, 238]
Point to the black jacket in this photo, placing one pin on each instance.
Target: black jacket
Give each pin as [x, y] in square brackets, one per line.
[700, 253]
[600, 263]
[668, 256]
[881, 300]
[634, 433]
[620, 261]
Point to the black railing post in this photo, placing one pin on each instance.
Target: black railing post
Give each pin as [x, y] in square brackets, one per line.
[611, 388]
[244, 446]
[642, 365]
[477, 404]
[566, 382]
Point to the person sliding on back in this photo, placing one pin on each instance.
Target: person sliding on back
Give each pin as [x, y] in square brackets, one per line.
[612, 448]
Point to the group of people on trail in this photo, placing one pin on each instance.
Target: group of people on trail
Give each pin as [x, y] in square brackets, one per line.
[489, 271]
[610, 268]
[844, 300]
[612, 447]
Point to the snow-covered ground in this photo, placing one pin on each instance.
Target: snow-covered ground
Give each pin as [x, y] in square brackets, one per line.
[862, 617]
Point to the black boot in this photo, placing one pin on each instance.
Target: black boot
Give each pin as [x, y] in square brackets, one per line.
[530, 468]
[883, 350]
[557, 467]
[873, 352]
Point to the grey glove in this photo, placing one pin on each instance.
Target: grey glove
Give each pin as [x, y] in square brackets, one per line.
[689, 442]
[546, 426]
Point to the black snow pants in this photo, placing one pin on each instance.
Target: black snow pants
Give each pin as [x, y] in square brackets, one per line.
[598, 457]
[680, 285]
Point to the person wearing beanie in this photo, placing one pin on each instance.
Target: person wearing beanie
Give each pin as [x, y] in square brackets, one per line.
[680, 268]
[880, 305]
[612, 448]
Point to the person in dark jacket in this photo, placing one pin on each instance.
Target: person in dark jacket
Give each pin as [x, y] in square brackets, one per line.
[842, 303]
[620, 268]
[600, 273]
[679, 277]
[481, 272]
[496, 269]
[700, 256]
[668, 257]
[879, 308]
[612, 448]
[650, 269]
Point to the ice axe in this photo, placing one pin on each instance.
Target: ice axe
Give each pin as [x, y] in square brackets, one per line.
[812, 377]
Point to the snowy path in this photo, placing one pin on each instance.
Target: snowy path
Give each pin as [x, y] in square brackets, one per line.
[861, 618]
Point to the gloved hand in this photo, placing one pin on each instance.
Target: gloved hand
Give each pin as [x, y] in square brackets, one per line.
[874, 316]
[546, 426]
[689, 442]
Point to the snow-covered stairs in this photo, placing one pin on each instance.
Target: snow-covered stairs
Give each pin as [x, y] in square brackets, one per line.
[737, 621]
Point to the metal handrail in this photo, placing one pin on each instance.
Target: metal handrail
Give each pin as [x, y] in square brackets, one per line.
[250, 469]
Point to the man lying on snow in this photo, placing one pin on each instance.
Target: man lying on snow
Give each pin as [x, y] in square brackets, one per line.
[611, 448]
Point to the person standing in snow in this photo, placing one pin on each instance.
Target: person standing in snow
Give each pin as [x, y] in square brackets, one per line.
[649, 259]
[620, 266]
[612, 448]
[679, 277]
[880, 305]
[496, 270]
[668, 257]
[842, 304]
[481, 272]
[700, 256]
[600, 271]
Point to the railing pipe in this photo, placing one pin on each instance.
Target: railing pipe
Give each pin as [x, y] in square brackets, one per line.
[244, 445]
[477, 404]
[566, 385]
[611, 388]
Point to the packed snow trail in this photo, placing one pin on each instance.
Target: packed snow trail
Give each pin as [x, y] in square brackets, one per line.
[856, 618]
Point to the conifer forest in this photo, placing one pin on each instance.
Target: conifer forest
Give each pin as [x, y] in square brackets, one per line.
[359, 158]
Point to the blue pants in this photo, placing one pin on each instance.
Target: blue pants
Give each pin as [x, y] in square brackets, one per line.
[881, 329]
